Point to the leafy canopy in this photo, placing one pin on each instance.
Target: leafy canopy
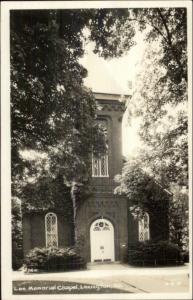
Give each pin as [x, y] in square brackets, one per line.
[51, 111]
[160, 96]
[159, 103]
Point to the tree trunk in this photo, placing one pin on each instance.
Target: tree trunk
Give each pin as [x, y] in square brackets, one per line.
[74, 189]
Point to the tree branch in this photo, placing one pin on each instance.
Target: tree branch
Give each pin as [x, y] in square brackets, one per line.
[169, 40]
[150, 24]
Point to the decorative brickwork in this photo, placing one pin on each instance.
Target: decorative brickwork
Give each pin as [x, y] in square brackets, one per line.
[112, 106]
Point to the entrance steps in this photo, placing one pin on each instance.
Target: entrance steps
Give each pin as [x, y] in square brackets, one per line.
[115, 265]
[103, 263]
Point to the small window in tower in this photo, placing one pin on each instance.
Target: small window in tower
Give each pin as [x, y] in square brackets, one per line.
[144, 233]
[100, 164]
[51, 230]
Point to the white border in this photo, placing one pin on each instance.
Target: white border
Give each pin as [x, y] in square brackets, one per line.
[93, 4]
[5, 133]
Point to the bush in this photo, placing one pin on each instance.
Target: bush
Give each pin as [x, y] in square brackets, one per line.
[53, 259]
[185, 256]
[17, 258]
[150, 253]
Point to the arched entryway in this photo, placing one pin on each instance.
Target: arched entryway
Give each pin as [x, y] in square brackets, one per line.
[102, 241]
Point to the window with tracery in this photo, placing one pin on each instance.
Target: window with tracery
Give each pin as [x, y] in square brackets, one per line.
[51, 227]
[144, 233]
[101, 226]
[100, 164]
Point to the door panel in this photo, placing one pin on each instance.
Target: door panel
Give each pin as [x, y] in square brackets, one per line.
[102, 241]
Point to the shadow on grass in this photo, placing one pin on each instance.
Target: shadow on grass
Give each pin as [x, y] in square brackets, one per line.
[39, 287]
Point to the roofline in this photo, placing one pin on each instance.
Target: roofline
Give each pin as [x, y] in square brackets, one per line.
[109, 96]
[118, 94]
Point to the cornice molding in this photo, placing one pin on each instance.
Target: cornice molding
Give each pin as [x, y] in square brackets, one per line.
[115, 97]
[111, 105]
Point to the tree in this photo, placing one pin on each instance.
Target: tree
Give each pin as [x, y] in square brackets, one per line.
[167, 26]
[16, 234]
[145, 195]
[161, 90]
[179, 223]
[160, 104]
[52, 113]
[163, 126]
[140, 188]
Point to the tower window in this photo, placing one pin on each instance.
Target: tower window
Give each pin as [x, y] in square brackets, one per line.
[51, 227]
[144, 233]
[100, 166]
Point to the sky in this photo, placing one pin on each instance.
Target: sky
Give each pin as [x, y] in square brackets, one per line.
[112, 76]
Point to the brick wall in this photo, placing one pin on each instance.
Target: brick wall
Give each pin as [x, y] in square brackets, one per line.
[34, 230]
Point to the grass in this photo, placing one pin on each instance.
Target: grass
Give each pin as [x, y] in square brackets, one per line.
[39, 287]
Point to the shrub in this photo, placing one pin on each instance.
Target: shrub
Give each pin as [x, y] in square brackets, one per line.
[53, 259]
[16, 227]
[17, 258]
[185, 256]
[154, 253]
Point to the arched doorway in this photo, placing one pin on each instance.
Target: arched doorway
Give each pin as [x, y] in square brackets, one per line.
[102, 241]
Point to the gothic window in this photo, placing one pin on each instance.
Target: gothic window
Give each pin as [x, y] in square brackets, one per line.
[51, 230]
[144, 234]
[100, 164]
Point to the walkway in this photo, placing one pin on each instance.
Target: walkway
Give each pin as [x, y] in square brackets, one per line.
[121, 276]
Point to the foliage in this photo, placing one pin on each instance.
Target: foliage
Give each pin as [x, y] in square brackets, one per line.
[46, 194]
[144, 194]
[161, 253]
[179, 221]
[159, 103]
[53, 259]
[51, 110]
[52, 113]
[168, 27]
[185, 255]
[17, 251]
[163, 126]
[112, 34]
[160, 96]
[48, 97]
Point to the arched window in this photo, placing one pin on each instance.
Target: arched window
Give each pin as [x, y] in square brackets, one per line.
[51, 227]
[100, 164]
[144, 233]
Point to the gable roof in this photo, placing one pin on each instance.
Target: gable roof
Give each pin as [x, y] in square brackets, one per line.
[103, 75]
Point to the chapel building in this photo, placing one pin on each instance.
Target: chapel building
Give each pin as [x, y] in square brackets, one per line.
[105, 224]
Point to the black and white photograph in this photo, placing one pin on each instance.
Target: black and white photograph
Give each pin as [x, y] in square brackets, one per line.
[96, 149]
